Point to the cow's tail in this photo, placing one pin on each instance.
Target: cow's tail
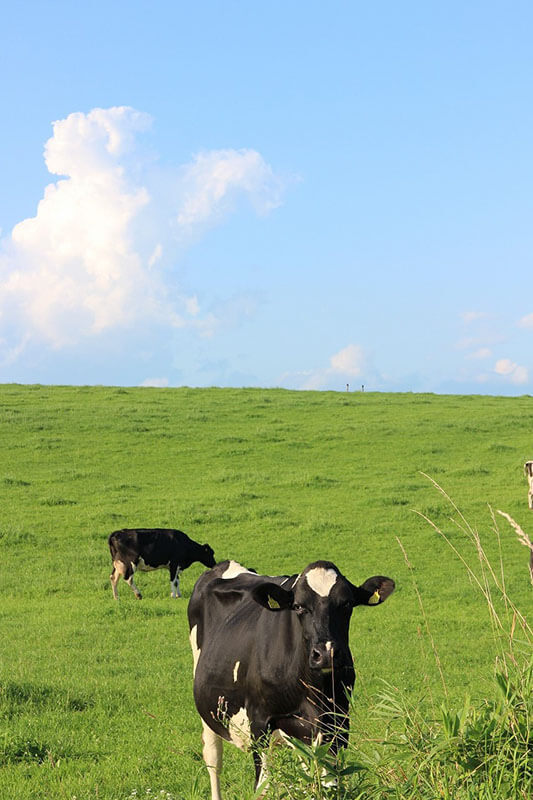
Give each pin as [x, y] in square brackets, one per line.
[112, 546]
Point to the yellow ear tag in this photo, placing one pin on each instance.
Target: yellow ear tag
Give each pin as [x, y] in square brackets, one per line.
[272, 603]
[374, 600]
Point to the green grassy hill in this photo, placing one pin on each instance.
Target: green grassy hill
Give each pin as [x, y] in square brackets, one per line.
[95, 696]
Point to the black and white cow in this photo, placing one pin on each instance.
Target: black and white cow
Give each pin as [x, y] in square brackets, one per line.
[272, 654]
[147, 549]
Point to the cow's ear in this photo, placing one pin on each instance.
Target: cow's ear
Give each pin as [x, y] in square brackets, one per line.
[271, 596]
[373, 591]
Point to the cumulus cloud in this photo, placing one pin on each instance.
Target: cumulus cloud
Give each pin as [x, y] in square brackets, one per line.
[98, 252]
[511, 371]
[346, 364]
[348, 361]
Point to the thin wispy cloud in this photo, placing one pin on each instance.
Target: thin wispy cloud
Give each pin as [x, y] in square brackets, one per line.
[526, 322]
[473, 316]
[107, 233]
[480, 354]
[483, 342]
[478, 331]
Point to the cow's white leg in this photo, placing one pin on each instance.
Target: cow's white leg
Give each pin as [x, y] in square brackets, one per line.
[262, 781]
[119, 570]
[212, 753]
[277, 739]
[134, 588]
[175, 585]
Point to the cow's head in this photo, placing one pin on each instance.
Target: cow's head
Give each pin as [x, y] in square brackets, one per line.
[207, 557]
[323, 601]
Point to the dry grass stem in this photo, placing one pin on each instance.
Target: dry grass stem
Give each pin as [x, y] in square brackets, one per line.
[426, 622]
[523, 538]
[467, 566]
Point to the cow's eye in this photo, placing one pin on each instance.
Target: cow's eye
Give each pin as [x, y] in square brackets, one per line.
[299, 608]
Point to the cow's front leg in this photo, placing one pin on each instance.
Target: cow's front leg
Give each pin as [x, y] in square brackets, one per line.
[260, 743]
[261, 771]
[175, 573]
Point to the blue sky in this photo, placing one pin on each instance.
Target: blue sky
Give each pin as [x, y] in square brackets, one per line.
[290, 194]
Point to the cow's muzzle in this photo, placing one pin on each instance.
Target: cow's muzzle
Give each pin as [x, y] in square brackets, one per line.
[324, 656]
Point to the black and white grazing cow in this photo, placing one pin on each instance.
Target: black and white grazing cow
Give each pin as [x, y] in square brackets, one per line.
[272, 654]
[147, 549]
[528, 469]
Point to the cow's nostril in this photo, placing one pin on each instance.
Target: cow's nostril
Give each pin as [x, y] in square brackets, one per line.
[316, 655]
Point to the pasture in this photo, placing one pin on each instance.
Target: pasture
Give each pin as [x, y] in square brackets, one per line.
[95, 695]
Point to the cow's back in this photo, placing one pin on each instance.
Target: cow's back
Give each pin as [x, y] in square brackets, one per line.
[163, 543]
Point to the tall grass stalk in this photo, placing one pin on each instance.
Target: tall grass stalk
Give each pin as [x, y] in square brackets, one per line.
[425, 618]
[487, 570]
[523, 538]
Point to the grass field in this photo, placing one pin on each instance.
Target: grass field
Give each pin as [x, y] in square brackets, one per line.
[95, 696]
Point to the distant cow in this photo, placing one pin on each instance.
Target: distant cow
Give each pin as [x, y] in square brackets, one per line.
[272, 654]
[147, 549]
[528, 469]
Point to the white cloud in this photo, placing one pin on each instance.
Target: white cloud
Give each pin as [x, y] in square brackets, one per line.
[348, 363]
[213, 182]
[86, 145]
[527, 321]
[513, 372]
[96, 255]
[504, 367]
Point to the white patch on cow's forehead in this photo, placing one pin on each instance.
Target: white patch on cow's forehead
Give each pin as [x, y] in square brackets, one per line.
[233, 570]
[236, 671]
[193, 637]
[239, 729]
[321, 580]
